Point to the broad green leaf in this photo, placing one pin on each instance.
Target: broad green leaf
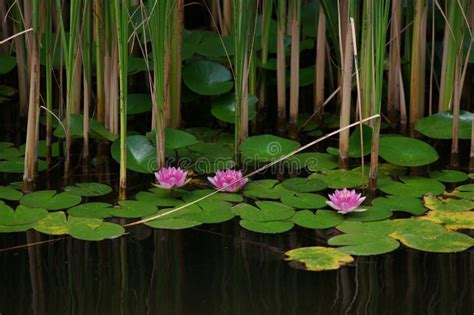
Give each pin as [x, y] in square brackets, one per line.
[141, 154]
[452, 220]
[314, 161]
[440, 125]
[17, 165]
[97, 130]
[266, 148]
[175, 139]
[405, 151]
[319, 258]
[412, 186]
[322, 219]
[213, 45]
[157, 199]
[364, 244]
[21, 215]
[9, 193]
[271, 227]
[50, 200]
[207, 77]
[133, 209]
[266, 211]
[400, 203]
[338, 179]
[98, 210]
[223, 107]
[209, 211]
[371, 214]
[304, 185]
[7, 64]
[265, 189]
[54, 223]
[449, 176]
[93, 229]
[447, 204]
[380, 228]
[138, 104]
[10, 153]
[304, 200]
[89, 189]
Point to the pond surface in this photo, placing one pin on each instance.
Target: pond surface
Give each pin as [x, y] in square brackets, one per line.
[222, 269]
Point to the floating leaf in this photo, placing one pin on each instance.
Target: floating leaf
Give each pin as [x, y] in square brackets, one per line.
[76, 125]
[452, 220]
[10, 153]
[322, 219]
[209, 211]
[190, 43]
[89, 189]
[175, 139]
[265, 189]
[4, 145]
[319, 258]
[133, 209]
[17, 165]
[272, 227]
[172, 223]
[266, 211]
[338, 179]
[412, 186]
[363, 244]
[440, 125]
[223, 107]
[93, 229]
[42, 149]
[141, 154]
[50, 200]
[354, 142]
[21, 216]
[405, 151]
[371, 214]
[54, 223]
[98, 210]
[189, 196]
[304, 185]
[304, 200]
[266, 148]
[207, 77]
[213, 45]
[9, 193]
[400, 203]
[138, 103]
[447, 204]
[449, 176]
[314, 161]
[15, 228]
[7, 64]
[157, 199]
[379, 228]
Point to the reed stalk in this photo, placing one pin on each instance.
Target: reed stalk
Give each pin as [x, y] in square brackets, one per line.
[294, 68]
[99, 60]
[87, 75]
[21, 59]
[175, 39]
[281, 66]
[320, 67]
[227, 17]
[394, 66]
[49, 78]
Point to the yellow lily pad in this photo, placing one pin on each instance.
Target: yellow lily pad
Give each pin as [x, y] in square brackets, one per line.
[452, 220]
[318, 258]
[447, 204]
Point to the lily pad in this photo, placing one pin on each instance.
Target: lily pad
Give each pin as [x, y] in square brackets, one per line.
[338, 179]
[271, 227]
[133, 209]
[266, 148]
[412, 186]
[175, 139]
[7, 64]
[377, 228]
[223, 107]
[371, 214]
[452, 220]
[193, 195]
[9, 193]
[157, 199]
[322, 219]
[207, 77]
[213, 45]
[265, 189]
[97, 130]
[15, 228]
[42, 149]
[50, 200]
[54, 223]
[447, 204]
[10, 153]
[449, 176]
[405, 151]
[364, 244]
[354, 142]
[138, 103]
[209, 211]
[98, 210]
[89, 189]
[266, 211]
[141, 154]
[400, 203]
[304, 200]
[171, 223]
[304, 185]
[319, 258]
[314, 161]
[21, 216]
[440, 125]
[88, 229]
[190, 43]
[17, 165]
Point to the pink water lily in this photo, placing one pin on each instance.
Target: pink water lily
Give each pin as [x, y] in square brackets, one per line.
[228, 180]
[346, 201]
[171, 177]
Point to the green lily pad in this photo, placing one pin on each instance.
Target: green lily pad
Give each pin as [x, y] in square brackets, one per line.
[440, 125]
[9, 193]
[21, 216]
[266, 148]
[376, 228]
[207, 77]
[452, 220]
[88, 229]
[363, 244]
[304, 200]
[42, 149]
[17, 165]
[392, 170]
[89, 189]
[412, 186]
[314, 161]
[190, 43]
[338, 179]
[405, 151]
[157, 199]
[213, 45]
[265, 189]
[97, 130]
[10, 153]
[322, 219]
[471, 175]
[400, 203]
[54, 223]
[447, 204]
[354, 142]
[209, 211]
[319, 258]
[371, 214]
[98, 210]
[133, 209]
[172, 223]
[193, 195]
[4, 145]
[7, 91]
[304, 185]
[176, 139]
[266, 211]
[464, 192]
[7, 64]
[271, 227]
[223, 107]
[50, 200]
[15, 228]
[141, 154]
[138, 104]
[449, 176]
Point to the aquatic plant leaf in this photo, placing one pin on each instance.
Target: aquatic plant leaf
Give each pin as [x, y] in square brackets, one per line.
[304, 200]
[138, 103]
[270, 227]
[21, 216]
[8, 193]
[133, 209]
[471, 175]
[190, 43]
[176, 139]
[266, 211]
[172, 224]
[7, 63]
[452, 220]
[209, 211]
[98, 210]
[314, 161]
[322, 219]
[447, 204]
[371, 214]
[50, 200]
[54, 223]
[89, 189]
[405, 151]
[97, 131]
[338, 179]
[7, 91]
[15, 228]
[141, 154]
[88, 229]
[213, 45]
[223, 107]
[10, 153]
[304, 185]
[156, 199]
[319, 258]
[376, 228]
[192, 195]
[207, 77]
[266, 148]
[400, 203]
[449, 176]
[42, 149]
[16, 165]
[364, 244]
[16, 185]
[4, 145]
[392, 170]
[354, 142]
[440, 125]
[265, 189]
[412, 186]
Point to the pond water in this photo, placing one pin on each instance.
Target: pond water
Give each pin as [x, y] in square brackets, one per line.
[222, 269]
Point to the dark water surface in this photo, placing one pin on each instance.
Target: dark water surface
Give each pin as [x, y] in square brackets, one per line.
[222, 269]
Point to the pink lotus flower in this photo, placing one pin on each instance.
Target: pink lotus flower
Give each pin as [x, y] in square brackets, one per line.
[228, 180]
[346, 201]
[171, 177]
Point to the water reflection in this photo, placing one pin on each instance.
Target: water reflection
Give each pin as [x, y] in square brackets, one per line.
[221, 270]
